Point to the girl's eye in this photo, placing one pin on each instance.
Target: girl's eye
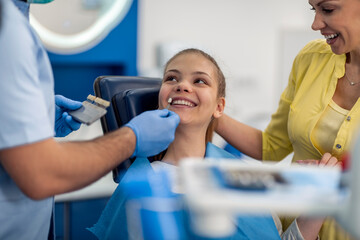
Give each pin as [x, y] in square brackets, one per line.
[170, 79]
[200, 81]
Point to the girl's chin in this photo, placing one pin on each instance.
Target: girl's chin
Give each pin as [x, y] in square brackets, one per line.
[185, 122]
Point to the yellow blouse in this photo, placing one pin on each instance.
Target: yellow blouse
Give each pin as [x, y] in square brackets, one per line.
[312, 83]
[311, 86]
[327, 127]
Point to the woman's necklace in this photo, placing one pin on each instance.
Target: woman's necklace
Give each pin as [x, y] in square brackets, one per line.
[351, 82]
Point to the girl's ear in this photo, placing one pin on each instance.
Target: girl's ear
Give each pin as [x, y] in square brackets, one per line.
[219, 108]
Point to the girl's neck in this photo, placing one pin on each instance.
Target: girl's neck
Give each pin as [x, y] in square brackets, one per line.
[186, 144]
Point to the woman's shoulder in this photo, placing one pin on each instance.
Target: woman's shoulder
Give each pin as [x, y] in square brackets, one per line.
[316, 52]
[317, 46]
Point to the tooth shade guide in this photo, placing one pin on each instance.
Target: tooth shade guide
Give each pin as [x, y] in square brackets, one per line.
[169, 101]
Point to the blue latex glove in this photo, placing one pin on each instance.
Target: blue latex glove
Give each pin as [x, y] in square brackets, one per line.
[154, 131]
[64, 123]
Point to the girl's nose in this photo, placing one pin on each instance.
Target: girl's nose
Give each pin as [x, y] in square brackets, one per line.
[183, 87]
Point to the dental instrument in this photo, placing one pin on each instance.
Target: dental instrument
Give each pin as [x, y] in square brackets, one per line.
[169, 102]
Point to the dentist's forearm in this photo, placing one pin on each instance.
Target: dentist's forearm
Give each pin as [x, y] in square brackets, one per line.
[47, 168]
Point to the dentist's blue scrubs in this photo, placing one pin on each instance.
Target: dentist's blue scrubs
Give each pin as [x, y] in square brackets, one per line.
[26, 116]
[112, 223]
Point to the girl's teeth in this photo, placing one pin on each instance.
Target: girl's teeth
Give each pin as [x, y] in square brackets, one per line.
[182, 102]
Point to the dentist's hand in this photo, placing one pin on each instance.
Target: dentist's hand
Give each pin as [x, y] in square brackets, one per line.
[154, 131]
[64, 123]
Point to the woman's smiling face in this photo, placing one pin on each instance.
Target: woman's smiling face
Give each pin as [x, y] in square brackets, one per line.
[191, 81]
[339, 22]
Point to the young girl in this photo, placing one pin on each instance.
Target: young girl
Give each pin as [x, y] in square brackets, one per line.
[196, 86]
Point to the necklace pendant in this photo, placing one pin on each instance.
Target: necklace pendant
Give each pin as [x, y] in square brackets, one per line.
[351, 82]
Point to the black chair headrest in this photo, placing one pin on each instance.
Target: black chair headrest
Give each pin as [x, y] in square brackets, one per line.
[132, 102]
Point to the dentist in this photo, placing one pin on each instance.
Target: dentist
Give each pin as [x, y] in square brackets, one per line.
[33, 166]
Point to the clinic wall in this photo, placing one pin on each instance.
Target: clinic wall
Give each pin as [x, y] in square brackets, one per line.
[249, 39]
[253, 41]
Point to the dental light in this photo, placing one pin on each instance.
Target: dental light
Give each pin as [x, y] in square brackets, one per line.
[110, 14]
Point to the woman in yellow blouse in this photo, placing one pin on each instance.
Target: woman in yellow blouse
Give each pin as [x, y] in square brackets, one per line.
[319, 111]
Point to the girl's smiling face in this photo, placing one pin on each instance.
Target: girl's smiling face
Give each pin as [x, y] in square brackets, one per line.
[191, 81]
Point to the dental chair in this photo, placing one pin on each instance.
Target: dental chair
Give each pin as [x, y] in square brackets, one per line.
[128, 97]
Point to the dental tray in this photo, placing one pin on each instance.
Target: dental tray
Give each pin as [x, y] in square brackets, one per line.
[237, 186]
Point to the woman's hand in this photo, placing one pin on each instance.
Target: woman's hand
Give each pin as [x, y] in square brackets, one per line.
[326, 160]
[309, 226]
[329, 160]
